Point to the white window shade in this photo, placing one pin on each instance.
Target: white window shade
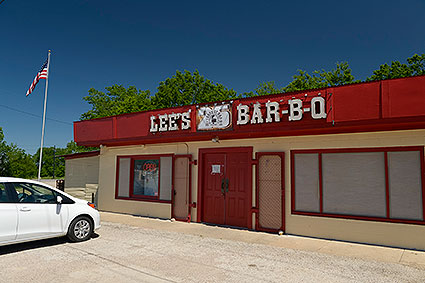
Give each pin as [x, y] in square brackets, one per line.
[124, 177]
[404, 170]
[166, 166]
[354, 184]
[307, 192]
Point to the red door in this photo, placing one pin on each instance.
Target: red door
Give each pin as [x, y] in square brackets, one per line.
[227, 186]
[213, 196]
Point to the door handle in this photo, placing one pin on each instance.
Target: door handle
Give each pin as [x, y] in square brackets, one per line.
[227, 185]
[222, 185]
[25, 209]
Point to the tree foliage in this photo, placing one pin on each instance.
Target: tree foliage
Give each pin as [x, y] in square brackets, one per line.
[264, 88]
[117, 100]
[186, 88]
[341, 75]
[53, 162]
[72, 147]
[21, 164]
[15, 162]
[183, 88]
[4, 157]
[415, 66]
[50, 157]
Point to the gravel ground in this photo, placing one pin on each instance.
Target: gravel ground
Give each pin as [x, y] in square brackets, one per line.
[122, 253]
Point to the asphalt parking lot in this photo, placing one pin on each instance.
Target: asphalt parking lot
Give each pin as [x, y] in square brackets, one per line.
[136, 253]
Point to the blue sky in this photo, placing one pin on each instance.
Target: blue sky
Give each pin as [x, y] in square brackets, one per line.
[235, 43]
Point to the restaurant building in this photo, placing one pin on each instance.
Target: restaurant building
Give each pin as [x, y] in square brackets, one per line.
[343, 163]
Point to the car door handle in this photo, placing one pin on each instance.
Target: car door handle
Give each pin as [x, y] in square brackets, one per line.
[25, 209]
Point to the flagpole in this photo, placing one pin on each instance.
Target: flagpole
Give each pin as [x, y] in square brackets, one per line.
[44, 117]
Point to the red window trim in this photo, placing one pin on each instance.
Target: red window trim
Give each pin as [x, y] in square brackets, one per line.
[385, 150]
[132, 196]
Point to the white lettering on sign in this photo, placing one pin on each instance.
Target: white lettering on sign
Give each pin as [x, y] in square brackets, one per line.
[170, 122]
[186, 120]
[273, 113]
[163, 125]
[154, 126]
[243, 114]
[219, 117]
[256, 115]
[295, 109]
[272, 109]
[318, 108]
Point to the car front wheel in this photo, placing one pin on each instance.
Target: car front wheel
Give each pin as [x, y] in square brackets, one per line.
[80, 229]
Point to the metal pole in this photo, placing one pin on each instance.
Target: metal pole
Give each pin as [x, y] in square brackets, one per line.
[54, 160]
[44, 117]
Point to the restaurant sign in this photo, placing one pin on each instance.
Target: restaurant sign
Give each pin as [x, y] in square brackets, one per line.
[219, 117]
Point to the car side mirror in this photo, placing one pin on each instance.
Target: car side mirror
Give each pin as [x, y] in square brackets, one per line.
[59, 199]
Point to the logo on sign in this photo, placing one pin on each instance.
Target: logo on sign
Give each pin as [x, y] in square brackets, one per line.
[149, 166]
[214, 117]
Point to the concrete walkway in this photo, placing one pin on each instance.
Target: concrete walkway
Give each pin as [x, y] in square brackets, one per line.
[361, 251]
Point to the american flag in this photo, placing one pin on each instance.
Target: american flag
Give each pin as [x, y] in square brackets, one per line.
[42, 74]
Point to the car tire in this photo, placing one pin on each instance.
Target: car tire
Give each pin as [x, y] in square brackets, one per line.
[81, 229]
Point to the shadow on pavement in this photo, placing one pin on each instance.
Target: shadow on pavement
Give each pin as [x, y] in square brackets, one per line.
[14, 248]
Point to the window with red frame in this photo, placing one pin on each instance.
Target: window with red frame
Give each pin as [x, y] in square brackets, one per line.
[144, 177]
[384, 184]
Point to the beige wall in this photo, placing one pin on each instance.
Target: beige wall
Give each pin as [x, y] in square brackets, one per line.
[391, 234]
[81, 171]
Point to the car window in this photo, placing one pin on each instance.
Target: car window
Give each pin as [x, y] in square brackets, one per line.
[65, 199]
[31, 193]
[3, 194]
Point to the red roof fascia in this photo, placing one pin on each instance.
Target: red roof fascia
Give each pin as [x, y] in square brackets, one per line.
[395, 104]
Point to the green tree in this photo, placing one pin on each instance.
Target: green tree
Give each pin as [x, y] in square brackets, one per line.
[186, 88]
[4, 157]
[264, 88]
[50, 157]
[53, 160]
[415, 66]
[304, 80]
[15, 162]
[341, 75]
[21, 164]
[117, 100]
[181, 89]
[72, 147]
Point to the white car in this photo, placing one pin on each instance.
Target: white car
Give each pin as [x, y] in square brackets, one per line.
[31, 210]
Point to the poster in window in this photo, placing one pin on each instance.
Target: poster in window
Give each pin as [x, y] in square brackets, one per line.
[146, 177]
